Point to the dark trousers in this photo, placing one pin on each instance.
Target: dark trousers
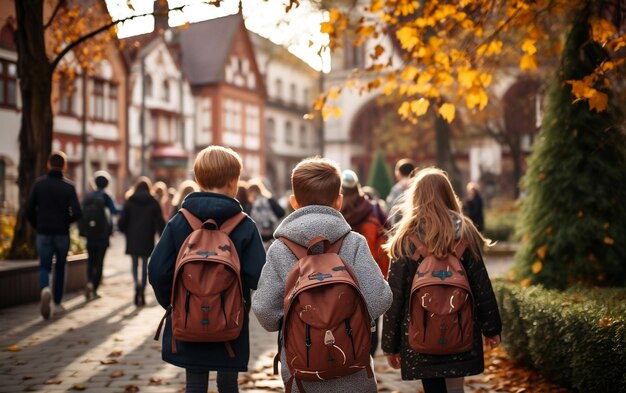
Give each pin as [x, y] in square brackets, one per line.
[434, 385]
[198, 382]
[140, 284]
[49, 246]
[95, 263]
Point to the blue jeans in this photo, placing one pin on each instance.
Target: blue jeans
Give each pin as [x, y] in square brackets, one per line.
[47, 247]
[140, 283]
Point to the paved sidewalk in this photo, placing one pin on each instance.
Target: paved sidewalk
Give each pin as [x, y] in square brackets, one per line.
[107, 345]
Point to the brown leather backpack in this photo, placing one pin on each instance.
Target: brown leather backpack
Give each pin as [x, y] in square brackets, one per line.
[441, 305]
[327, 327]
[207, 303]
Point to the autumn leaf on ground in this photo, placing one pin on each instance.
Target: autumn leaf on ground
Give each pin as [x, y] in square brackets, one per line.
[78, 386]
[53, 381]
[109, 361]
[117, 374]
[131, 389]
[155, 381]
[115, 354]
[13, 348]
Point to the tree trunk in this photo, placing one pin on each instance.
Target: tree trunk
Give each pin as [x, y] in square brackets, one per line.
[35, 138]
[444, 157]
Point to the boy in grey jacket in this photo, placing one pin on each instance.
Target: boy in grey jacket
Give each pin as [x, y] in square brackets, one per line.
[316, 184]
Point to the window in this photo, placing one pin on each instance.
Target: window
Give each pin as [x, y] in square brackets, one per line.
[98, 100]
[66, 95]
[165, 93]
[279, 89]
[253, 127]
[148, 83]
[289, 133]
[232, 123]
[8, 83]
[292, 94]
[303, 137]
[112, 102]
[305, 96]
[271, 130]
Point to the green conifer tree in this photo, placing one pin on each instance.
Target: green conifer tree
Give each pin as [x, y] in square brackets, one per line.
[380, 175]
[573, 219]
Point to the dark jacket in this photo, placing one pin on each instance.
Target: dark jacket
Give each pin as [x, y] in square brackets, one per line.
[52, 204]
[205, 205]
[140, 220]
[395, 325]
[473, 208]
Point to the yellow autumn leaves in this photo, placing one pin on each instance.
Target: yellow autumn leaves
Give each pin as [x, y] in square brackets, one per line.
[451, 49]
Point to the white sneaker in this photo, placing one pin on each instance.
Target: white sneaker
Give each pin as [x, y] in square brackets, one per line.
[46, 299]
[58, 309]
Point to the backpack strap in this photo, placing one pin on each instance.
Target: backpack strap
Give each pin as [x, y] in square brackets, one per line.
[420, 249]
[229, 225]
[301, 251]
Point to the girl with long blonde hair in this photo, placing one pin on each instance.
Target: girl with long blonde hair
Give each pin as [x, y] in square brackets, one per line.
[431, 211]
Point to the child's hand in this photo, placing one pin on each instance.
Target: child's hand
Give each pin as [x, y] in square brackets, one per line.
[492, 342]
[394, 360]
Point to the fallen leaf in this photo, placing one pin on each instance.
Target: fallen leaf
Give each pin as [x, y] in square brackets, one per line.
[13, 348]
[115, 354]
[109, 361]
[117, 374]
[155, 381]
[78, 386]
[131, 389]
[53, 381]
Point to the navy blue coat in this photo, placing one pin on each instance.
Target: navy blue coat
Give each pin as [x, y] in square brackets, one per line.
[247, 241]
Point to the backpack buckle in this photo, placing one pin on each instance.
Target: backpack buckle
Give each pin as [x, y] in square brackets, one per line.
[329, 339]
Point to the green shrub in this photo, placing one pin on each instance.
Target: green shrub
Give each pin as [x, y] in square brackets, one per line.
[575, 338]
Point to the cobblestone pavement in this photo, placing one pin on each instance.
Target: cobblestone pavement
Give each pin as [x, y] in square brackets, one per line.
[107, 345]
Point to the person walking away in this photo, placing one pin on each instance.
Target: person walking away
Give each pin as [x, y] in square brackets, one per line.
[265, 210]
[51, 207]
[378, 205]
[402, 173]
[96, 225]
[185, 188]
[473, 206]
[216, 170]
[432, 226]
[141, 219]
[162, 195]
[360, 215]
[316, 199]
[242, 196]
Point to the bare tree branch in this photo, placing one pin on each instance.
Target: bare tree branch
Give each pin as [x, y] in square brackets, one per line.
[97, 31]
[60, 4]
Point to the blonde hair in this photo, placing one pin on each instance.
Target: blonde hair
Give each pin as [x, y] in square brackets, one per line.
[185, 188]
[316, 181]
[258, 186]
[426, 212]
[142, 182]
[159, 189]
[215, 166]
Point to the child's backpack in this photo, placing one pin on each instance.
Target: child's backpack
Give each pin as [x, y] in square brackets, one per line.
[441, 305]
[94, 221]
[207, 303]
[264, 216]
[326, 330]
[374, 232]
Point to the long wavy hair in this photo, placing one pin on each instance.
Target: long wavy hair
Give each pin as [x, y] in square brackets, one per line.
[428, 208]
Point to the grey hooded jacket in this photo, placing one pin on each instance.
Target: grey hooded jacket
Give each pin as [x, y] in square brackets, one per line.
[267, 303]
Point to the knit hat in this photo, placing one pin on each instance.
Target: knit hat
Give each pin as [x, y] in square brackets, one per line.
[349, 179]
[102, 179]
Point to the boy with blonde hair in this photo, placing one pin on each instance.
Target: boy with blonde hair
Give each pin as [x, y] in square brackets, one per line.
[217, 170]
[316, 185]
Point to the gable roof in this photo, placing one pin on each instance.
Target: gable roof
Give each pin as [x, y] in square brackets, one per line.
[205, 47]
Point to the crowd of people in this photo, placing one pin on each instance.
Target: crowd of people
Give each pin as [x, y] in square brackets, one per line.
[381, 242]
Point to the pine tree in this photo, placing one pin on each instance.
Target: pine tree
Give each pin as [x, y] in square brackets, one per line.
[380, 177]
[573, 220]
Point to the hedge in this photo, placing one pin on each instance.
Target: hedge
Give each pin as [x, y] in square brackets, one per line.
[575, 338]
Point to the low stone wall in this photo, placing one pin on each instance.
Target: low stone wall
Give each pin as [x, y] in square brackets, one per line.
[19, 280]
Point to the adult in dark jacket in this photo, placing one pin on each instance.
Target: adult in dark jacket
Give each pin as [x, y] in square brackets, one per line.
[432, 214]
[140, 220]
[473, 206]
[51, 207]
[98, 243]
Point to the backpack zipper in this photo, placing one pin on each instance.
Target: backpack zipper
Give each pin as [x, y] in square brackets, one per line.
[349, 331]
[187, 296]
[307, 342]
